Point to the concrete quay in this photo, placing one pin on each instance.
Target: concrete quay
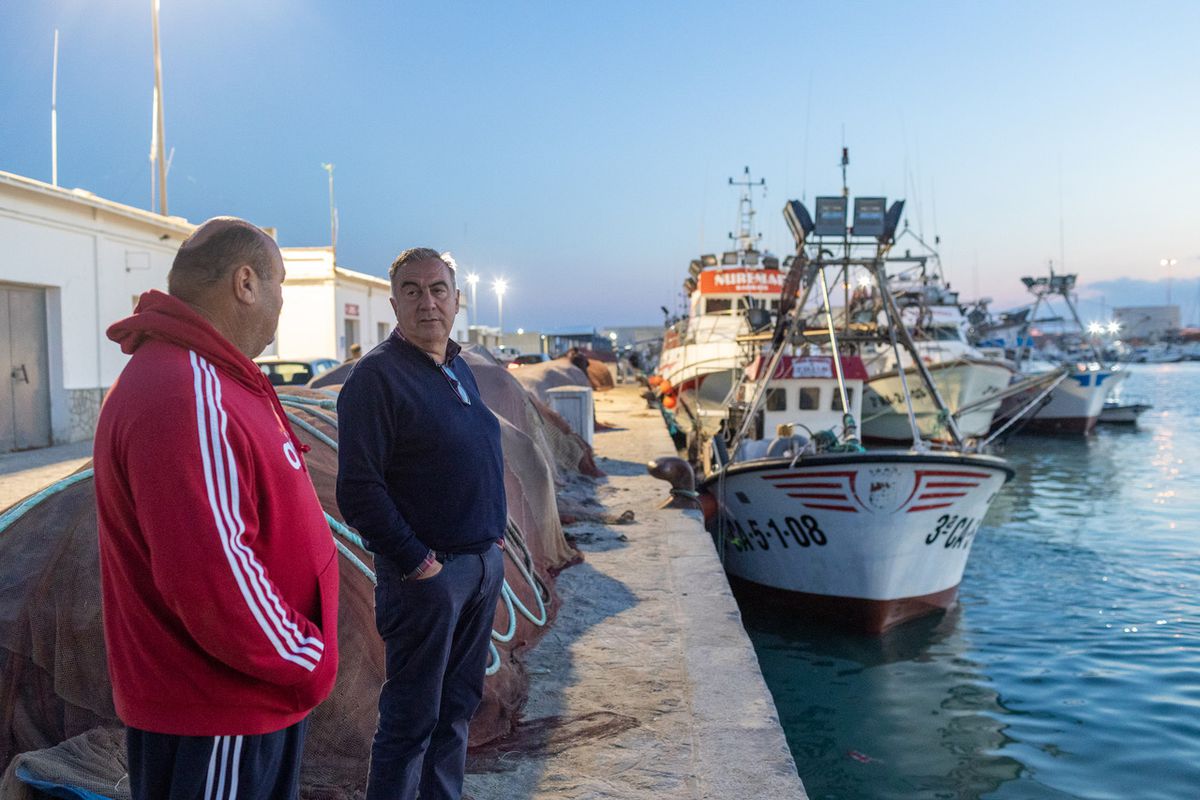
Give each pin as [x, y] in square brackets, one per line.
[647, 686]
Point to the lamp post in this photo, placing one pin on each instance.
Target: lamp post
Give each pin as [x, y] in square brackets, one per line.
[1168, 263]
[473, 282]
[499, 286]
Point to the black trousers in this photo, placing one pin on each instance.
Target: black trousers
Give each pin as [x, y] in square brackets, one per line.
[163, 766]
[436, 634]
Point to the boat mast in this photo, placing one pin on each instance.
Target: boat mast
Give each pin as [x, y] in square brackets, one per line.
[745, 237]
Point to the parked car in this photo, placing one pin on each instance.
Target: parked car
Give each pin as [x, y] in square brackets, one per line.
[528, 358]
[505, 354]
[293, 371]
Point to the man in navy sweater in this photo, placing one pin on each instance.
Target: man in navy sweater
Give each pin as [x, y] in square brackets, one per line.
[421, 476]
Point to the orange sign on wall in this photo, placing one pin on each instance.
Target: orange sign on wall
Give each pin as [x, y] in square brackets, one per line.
[741, 281]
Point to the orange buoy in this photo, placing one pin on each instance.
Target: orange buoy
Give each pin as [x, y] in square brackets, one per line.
[665, 387]
[654, 380]
[668, 401]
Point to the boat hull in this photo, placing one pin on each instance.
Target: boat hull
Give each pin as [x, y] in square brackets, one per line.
[960, 383]
[864, 540]
[1122, 413]
[872, 617]
[1076, 403]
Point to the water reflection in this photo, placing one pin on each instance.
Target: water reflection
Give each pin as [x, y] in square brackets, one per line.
[905, 715]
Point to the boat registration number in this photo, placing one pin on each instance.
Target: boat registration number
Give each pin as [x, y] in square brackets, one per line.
[802, 532]
[954, 531]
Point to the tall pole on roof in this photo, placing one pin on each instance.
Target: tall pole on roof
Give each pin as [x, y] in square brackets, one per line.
[332, 214]
[162, 138]
[54, 115]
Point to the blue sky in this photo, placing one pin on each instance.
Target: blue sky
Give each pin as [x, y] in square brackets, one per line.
[582, 150]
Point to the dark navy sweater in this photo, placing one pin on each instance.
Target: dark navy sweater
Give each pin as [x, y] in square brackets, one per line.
[418, 469]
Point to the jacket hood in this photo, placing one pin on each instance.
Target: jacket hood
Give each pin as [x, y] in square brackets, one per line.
[165, 318]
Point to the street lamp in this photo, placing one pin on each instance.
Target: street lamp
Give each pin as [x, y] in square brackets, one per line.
[499, 286]
[473, 281]
[1168, 263]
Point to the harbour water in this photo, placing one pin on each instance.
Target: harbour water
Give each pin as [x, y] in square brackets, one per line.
[1070, 667]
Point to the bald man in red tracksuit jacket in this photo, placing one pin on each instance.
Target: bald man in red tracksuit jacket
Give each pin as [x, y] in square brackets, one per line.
[219, 574]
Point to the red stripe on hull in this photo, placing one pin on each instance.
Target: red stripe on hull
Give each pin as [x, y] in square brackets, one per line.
[850, 613]
[808, 486]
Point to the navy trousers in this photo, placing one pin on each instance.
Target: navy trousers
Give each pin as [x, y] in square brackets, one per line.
[436, 634]
[163, 766]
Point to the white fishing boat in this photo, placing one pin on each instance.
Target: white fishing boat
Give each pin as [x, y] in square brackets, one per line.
[729, 297]
[966, 379]
[866, 540]
[1075, 405]
[964, 376]
[1118, 412]
[805, 515]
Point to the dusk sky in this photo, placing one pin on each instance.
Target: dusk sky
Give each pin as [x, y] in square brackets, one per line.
[582, 150]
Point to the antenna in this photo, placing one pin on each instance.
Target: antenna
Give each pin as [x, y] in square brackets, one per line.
[745, 237]
[845, 163]
[54, 115]
[158, 93]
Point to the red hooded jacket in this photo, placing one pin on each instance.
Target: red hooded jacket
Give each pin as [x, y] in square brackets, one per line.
[218, 571]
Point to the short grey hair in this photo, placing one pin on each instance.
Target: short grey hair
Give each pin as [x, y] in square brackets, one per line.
[414, 254]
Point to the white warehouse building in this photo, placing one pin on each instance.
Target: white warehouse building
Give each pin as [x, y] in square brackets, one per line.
[327, 308]
[71, 264]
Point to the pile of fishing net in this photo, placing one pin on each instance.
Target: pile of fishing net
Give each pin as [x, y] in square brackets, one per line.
[57, 722]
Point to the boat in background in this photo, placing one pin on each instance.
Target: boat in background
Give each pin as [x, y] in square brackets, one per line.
[729, 297]
[965, 377]
[1117, 412]
[1074, 406]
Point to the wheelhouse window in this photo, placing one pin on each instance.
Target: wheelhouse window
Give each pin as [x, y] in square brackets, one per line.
[717, 305]
[810, 398]
[836, 405]
[777, 399]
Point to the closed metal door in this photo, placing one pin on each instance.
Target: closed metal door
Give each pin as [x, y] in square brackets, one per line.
[28, 396]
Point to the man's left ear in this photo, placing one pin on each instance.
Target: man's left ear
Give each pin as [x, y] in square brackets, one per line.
[246, 283]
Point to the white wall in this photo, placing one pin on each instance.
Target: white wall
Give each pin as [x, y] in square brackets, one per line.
[371, 296]
[93, 257]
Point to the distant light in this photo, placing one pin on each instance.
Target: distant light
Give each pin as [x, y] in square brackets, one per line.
[1095, 328]
[613, 336]
[520, 331]
[1114, 327]
[499, 286]
[864, 281]
[472, 279]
